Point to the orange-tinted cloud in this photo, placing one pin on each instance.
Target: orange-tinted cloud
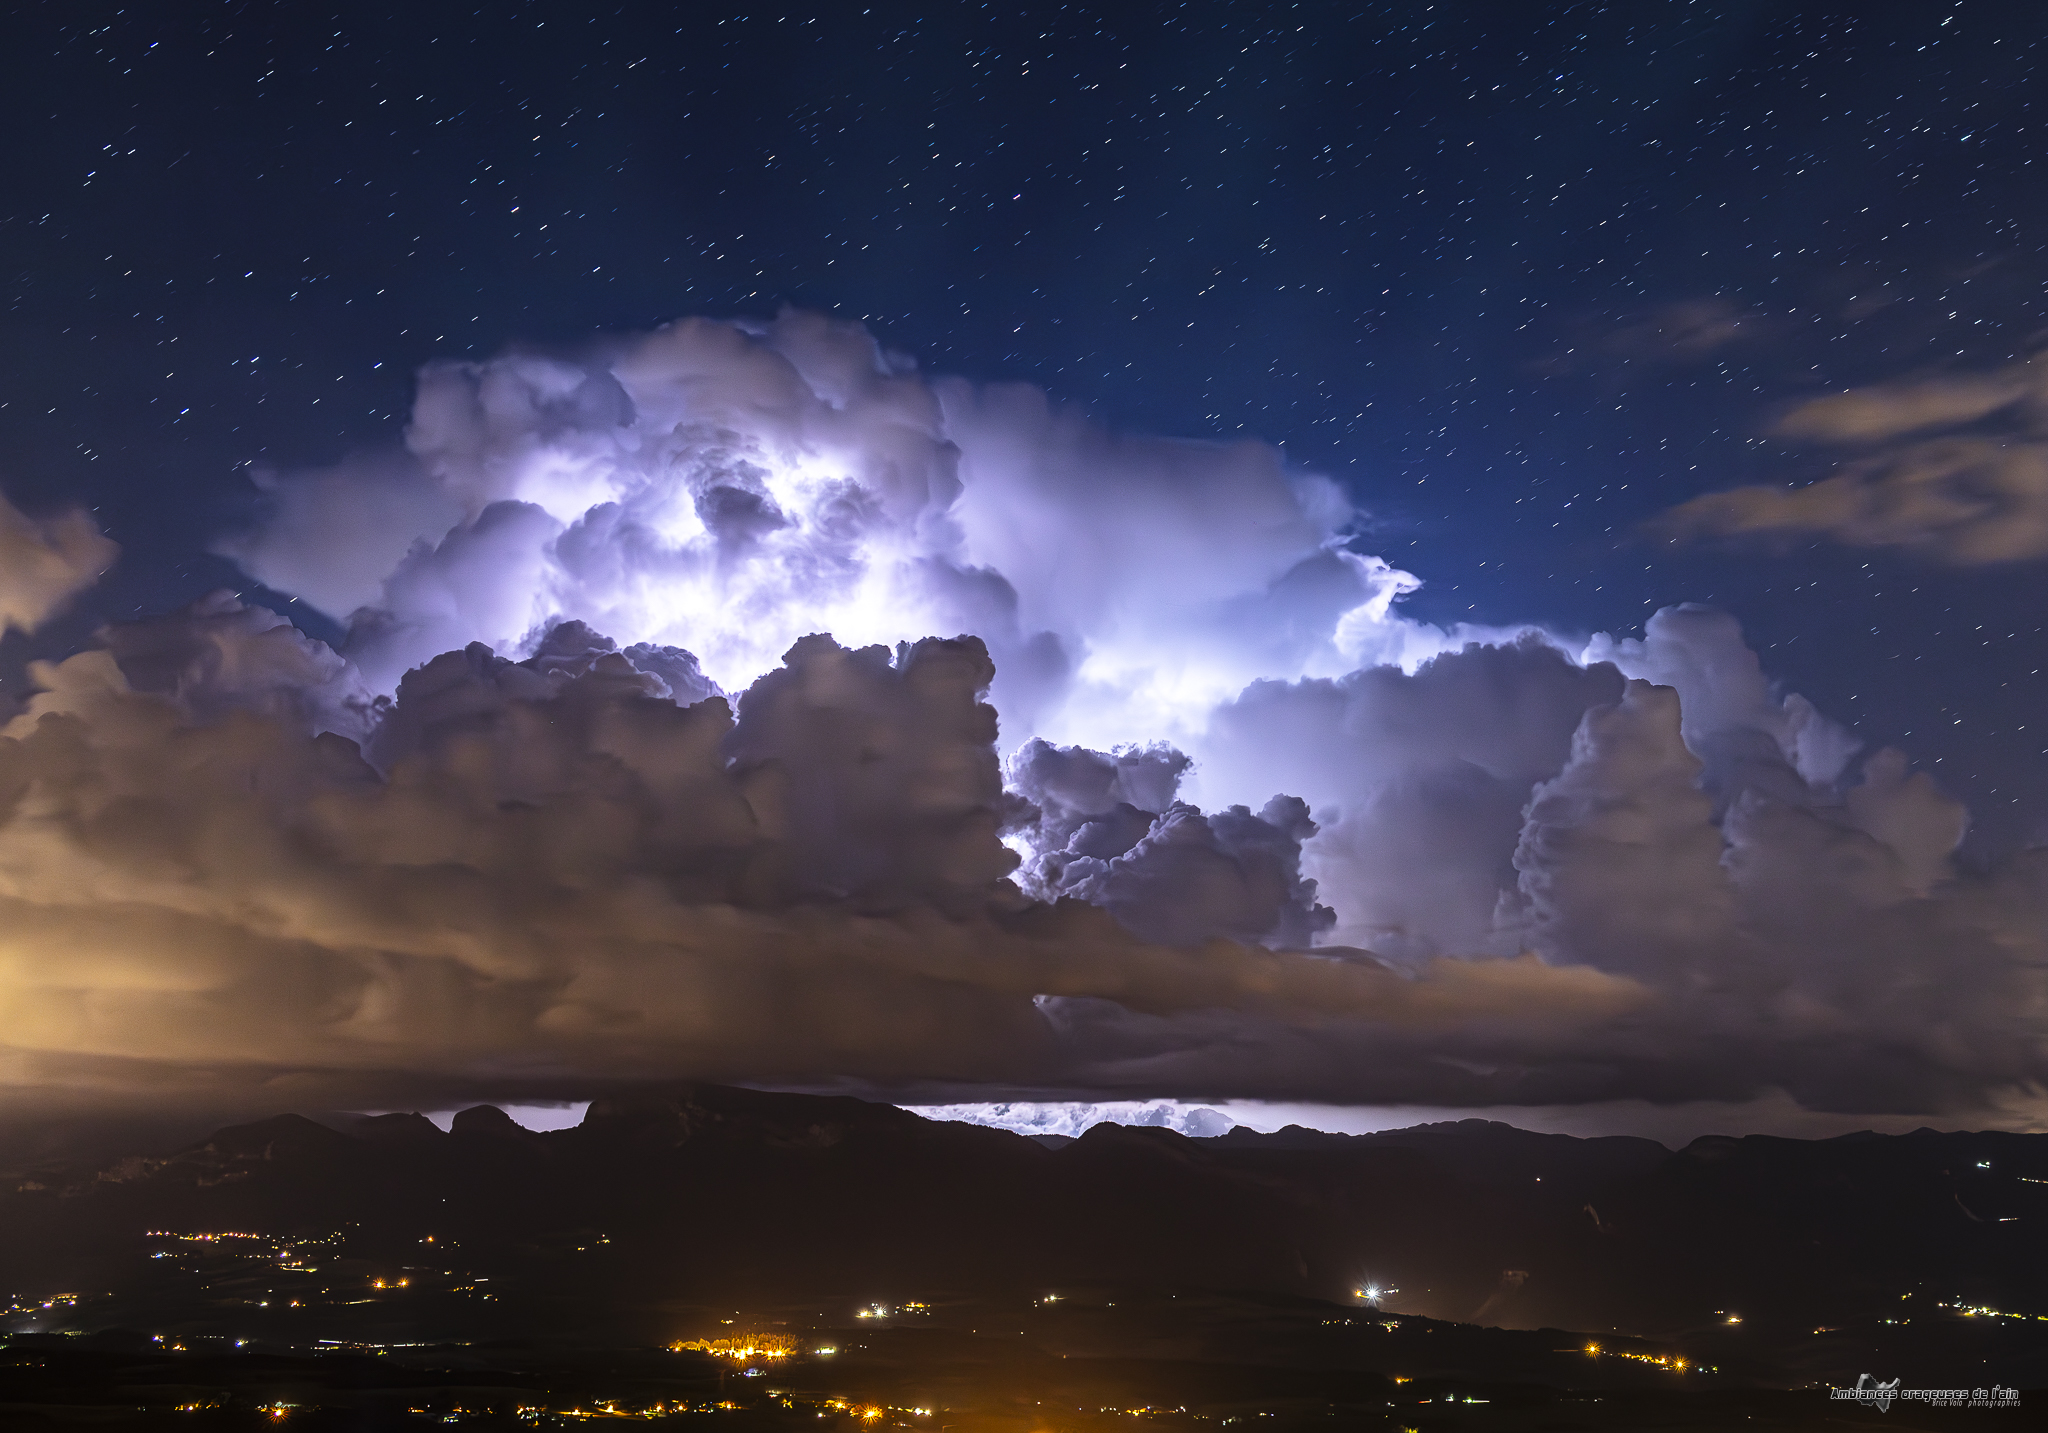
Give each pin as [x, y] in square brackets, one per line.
[1975, 493]
[46, 562]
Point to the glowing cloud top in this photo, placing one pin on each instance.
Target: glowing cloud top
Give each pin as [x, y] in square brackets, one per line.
[728, 488]
[733, 701]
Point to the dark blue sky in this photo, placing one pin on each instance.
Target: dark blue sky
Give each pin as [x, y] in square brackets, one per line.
[1522, 275]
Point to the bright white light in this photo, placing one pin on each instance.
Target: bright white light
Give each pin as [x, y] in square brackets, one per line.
[1073, 1118]
[536, 1117]
[729, 489]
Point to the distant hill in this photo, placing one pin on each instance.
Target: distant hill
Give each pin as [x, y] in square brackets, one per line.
[703, 1196]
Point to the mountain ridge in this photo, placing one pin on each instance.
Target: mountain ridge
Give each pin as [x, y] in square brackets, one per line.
[711, 1194]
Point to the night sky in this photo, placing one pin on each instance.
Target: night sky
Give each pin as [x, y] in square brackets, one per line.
[1521, 277]
[1586, 313]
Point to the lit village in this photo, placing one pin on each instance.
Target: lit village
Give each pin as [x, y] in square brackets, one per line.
[216, 1327]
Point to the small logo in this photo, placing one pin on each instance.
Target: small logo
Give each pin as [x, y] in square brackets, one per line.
[1882, 1395]
[1869, 1390]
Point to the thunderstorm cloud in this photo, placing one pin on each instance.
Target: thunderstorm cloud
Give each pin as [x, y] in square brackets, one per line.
[734, 701]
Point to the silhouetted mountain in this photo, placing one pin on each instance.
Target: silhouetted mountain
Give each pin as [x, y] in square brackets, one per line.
[703, 1196]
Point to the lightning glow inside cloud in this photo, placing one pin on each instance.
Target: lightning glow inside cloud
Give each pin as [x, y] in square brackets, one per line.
[1120, 774]
[730, 488]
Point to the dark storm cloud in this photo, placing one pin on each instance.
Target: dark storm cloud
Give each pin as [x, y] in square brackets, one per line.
[1419, 780]
[561, 874]
[1379, 862]
[1104, 828]
[553, 872]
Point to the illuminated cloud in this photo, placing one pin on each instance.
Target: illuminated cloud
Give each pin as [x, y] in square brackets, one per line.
[219, 656]
[1953, 466]
[1729, 712]
[1418, 780]
[727, 488]
[560, 875]
[1072, 1119]
[331, 535]
[45, 563]
[1105, 828]
[547, 876]
[766, 712]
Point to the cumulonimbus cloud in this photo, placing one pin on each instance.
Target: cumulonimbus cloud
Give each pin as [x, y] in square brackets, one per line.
[726, 488]
[554, 870]
[588, 794]
[1952, 465]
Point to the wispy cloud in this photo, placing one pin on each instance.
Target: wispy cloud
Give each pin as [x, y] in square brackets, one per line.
[1955, 466]
[44, 563]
